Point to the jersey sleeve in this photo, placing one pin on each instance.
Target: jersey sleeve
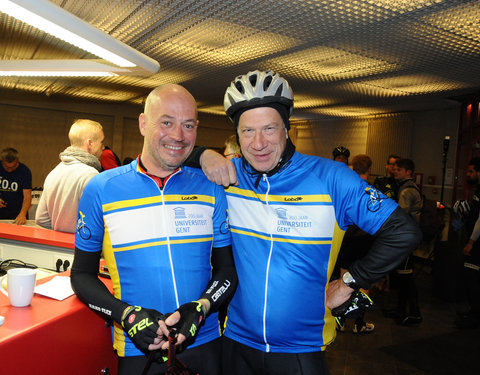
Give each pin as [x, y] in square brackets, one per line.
[221, 231]
[356, 202]
[90, 227]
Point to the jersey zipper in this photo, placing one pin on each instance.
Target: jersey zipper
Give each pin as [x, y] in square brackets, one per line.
[165, 220]
[265, 179]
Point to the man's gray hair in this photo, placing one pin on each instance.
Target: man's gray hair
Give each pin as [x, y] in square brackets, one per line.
[9, 154]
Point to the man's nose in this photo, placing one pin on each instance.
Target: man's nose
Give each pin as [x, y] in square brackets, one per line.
[258, 140]
[176, 132]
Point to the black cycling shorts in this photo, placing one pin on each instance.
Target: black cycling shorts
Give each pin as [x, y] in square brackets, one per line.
[239, 359]
[204, 359]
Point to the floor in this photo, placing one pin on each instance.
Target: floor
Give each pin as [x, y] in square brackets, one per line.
[435, 346]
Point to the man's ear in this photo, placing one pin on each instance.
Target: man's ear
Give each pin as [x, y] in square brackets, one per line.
[88, 144]
[141, 123]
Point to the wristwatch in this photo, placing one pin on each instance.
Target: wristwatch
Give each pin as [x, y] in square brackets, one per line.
[350, 281]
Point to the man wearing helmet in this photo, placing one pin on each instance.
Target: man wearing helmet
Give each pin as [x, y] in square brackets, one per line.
[341, 154]
[288, 213]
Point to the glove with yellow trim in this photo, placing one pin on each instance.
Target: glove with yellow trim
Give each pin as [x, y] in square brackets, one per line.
[354, 307]
[192, 316]
[141, 325]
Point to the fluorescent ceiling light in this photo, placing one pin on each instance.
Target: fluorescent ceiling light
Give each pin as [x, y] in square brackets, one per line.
[53, 73]
[56, 21]
[66, 68]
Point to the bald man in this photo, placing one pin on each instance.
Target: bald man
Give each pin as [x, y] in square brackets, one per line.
[162, 229]
[64, 185]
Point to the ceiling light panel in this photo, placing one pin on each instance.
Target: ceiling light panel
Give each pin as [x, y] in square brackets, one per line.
[348, 111]
[450, 32]
[213, 43]
[213, 110]
[417, 84]
[403, 6]
[308, 101]
[329, 64]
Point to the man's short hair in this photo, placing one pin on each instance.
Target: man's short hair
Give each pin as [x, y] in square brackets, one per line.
[476, 163]
[83, 129]
[361, 163]
[407, 164]
[9, 154]
[396, 157]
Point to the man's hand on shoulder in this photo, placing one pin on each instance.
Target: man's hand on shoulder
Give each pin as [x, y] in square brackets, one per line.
[218, 169]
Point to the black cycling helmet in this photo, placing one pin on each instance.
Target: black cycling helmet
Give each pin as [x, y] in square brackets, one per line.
[341, 150]
[255, 89]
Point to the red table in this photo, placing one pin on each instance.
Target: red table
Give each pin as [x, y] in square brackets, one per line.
[52, 337]
[37, 235]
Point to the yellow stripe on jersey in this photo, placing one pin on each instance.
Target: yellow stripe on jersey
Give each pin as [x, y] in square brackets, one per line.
[164, 242]
[325, 198]
[329, 328]
[119, 338]
[276, 239]
[158, 200]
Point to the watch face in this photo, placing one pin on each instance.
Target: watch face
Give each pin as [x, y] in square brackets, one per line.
[347, 278]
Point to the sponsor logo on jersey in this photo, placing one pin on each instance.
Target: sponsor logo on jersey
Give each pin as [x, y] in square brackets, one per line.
[286, 222]
[292, 199]
[189, 198]
[375, 200]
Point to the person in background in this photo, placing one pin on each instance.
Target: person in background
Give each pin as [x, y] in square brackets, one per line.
[64, 185]
[127, 160]
[341, 154]
[288, 213]
[471, 252]
[15, 187]
[232, 149]
[356, 243]
[163, 231]
[387, 184]
[407, 311]
[109, 159]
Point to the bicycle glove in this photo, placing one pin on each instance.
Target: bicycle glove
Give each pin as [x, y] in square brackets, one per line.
[141, 325]
[192, 316]
[354, 307]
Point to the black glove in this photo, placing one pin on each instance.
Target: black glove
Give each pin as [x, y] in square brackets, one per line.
[141, 325]
[353, 308]
[192, 316]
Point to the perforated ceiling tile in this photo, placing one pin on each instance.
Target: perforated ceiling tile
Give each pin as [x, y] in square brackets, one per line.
[307, 101]
[212, 43]
[417, 84]
[329, 64]
[343, 58]
[213, 110]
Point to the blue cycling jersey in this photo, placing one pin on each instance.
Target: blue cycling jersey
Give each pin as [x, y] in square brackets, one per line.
[156, 242]
[286, 234]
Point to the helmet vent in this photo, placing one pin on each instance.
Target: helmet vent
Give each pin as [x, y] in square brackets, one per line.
[240, 87]
[253, 80]
[279, 90]
[266, 83]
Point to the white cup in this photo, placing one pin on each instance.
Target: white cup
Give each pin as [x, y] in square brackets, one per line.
[20, 286]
